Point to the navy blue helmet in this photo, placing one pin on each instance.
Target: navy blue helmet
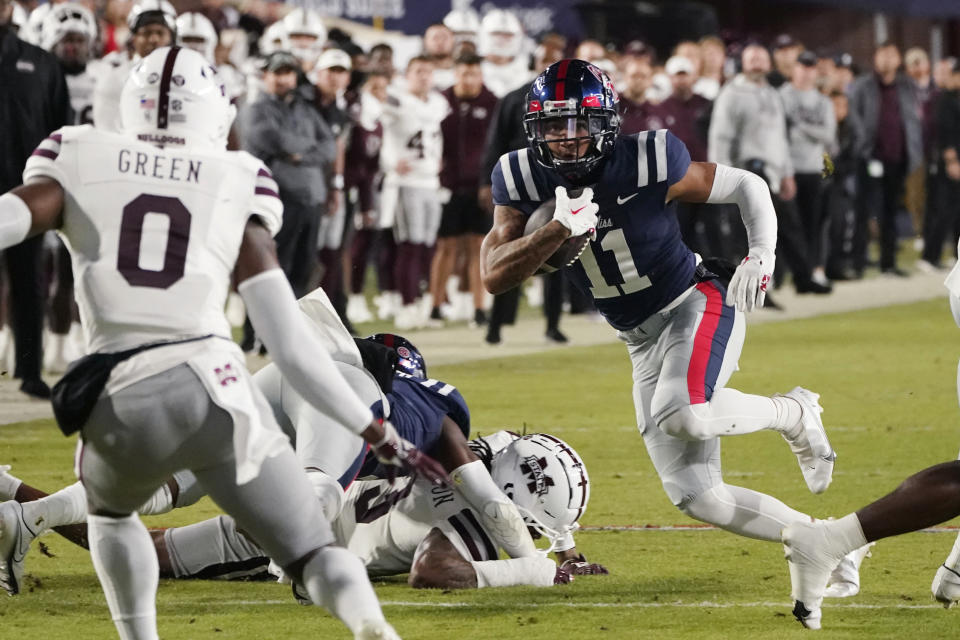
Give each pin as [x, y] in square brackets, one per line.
[572, 118]
[410, 360]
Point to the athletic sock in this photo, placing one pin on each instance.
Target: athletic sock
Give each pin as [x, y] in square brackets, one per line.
[67, 506]
[126, 564]
[789, 416]
[337, 581]
[953, 560]
[846, 534]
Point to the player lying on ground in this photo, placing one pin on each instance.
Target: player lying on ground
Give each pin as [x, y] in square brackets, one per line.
[683, 328]
[432, 533]
[927, 498]
[165, 389]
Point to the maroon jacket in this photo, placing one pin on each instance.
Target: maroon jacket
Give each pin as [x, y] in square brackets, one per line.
[634, 115]
[362, 160]
[688, 119]
[464, 132]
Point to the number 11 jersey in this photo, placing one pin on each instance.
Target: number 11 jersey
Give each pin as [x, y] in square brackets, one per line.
[638, 263]
[153, 233]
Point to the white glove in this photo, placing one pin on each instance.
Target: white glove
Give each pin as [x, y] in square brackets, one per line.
[748, 286]
[579, 214]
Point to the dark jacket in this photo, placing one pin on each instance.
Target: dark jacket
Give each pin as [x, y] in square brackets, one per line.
[947, 113]
[865, 115]
[33, 103]
[506, 132]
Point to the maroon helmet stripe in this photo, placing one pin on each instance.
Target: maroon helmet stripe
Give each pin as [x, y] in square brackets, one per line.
[561, 79]
[163, 104]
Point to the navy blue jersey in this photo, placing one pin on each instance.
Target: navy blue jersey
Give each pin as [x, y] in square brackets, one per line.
[638, 264]
[417, 410]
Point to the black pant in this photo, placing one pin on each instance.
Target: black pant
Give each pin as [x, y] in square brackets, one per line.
[810, 208]
[27, 296]
[504, 309]
[792, 241]
[707, 230]
[883, 195]
[841, 220]
[942, 215]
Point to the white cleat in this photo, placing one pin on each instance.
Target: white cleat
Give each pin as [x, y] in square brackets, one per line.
[845, 580]
[357, 309]
[805, 546]
[812, 447]
[376, 630]
[15, 539]
[946, 586]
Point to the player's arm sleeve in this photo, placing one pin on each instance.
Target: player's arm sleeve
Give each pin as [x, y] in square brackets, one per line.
[678, 159]
[266, 203]
[751, 193]
[301, 358]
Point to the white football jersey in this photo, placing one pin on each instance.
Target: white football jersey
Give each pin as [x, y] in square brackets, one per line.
[411, 132]
[111, 72]
[383, 524]
[80, 87]
[153, 233]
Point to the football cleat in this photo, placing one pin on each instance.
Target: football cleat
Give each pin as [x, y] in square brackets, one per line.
[15, 539]
[811, 446]
[946, 586]
[805, 546]
[376, 630]
[845, 580]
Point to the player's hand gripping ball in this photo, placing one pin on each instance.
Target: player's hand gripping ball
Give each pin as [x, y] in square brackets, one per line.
[577, 212]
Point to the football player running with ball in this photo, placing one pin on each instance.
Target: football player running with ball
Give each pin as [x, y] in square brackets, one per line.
[683, 328]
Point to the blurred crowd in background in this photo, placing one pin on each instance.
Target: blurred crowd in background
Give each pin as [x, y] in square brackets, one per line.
[382, 145]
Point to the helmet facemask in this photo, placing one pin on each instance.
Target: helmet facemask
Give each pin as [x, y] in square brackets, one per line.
[573, 141]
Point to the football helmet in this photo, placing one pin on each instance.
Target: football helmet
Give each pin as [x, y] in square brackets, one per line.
[69, 17]
[571, 103]
[464, 23]
[410, 360]
[500, 34]
[547, 481]
[33, 28]
[303, 26]
[145, 10]
[19, 18]
[175, 97]
[273, 39]
[195, 31]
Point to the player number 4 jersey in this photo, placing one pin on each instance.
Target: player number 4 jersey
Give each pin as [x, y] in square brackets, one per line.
[638, 263]
[153, 233]
[411, 133]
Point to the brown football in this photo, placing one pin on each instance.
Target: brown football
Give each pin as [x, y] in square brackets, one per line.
[568, 252]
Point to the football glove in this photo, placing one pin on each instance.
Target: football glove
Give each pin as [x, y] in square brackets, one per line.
[578, 214]
[398, 453]
[748, 286]
[563, 576]
[580, 567]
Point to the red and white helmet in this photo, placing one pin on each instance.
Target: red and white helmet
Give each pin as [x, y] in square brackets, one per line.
[144, 9]
[304, 22]
[464, 23]
[500, 34]
[69, 17]
[547, 481]
[175, 97]
[195, 31]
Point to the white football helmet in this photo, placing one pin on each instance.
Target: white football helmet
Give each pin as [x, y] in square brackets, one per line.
[500, 34]
[304, 22]
[19, 18]
[69, 17]
[150, 6]
[464, 23]
[273, 38]
[547, 481]
[175, 97]
[32, 30]
[199, 30]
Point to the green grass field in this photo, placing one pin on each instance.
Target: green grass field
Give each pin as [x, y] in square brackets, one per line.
[887, 379]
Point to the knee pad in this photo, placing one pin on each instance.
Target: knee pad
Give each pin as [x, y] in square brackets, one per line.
[328, 492]
[684, 423]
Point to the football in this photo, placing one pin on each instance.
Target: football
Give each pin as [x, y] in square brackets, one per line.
[568, 252]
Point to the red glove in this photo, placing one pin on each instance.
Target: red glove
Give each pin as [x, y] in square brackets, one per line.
[397, 453]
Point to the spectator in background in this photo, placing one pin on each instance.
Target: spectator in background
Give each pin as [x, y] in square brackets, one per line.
[33, 103]
[844, 73]
[748, 129]
[785, 53]
[331, 76]
[438, 45]
[590, 50]
[943, 216]
[635, 109]
[465, 25]
[410, 203]
[304, 35]
[714, 56]
[839, 194]
[283, 129]
[505, 67]
[381, 59]
[884, 109]
[812, 128]
[464, 221]
[917, 66]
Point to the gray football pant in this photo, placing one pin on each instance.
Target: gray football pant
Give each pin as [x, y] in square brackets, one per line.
[139, 436]
[418, 216]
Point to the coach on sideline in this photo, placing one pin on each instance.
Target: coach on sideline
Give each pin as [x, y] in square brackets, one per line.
[33, 102]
